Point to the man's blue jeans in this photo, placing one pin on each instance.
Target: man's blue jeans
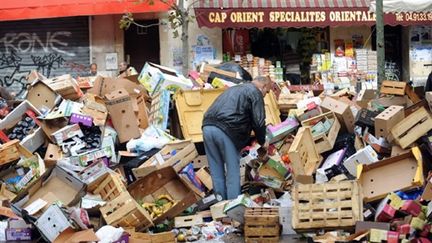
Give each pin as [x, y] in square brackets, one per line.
[221, 152]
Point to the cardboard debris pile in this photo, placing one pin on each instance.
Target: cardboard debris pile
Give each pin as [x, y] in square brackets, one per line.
[121, 160]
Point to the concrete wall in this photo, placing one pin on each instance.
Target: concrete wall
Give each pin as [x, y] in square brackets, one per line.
[107, 37]
[172, 46]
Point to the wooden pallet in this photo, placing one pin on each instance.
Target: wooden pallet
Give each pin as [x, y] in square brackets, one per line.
[262, 225]
[110, 187]
[124, 211]
[412, 127]
[333, 204]
[303, 153]
[393, 87]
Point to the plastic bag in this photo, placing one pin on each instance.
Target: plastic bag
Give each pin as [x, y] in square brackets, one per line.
[151, 138]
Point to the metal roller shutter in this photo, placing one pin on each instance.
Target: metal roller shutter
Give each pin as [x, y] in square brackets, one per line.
[52, 46]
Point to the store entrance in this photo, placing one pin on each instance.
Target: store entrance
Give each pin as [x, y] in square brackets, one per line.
[142, 44]
[293, 47]
[393, 51]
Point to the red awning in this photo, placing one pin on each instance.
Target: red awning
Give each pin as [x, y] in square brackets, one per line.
[295, 13]
[37, 9]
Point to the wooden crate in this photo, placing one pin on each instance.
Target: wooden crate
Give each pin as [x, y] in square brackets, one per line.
[393, 87]
[164, 237]
[412, 127]
[289, 101]
[203, 175]
[185, 153]
[328, 205]
[325, 142]
[303, 153]
[109, 186]
[262, 225]
[164, 181]
[188, 221]
[124, 211]
[9, 152]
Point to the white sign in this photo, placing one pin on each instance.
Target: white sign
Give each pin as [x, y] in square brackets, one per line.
[111, 61]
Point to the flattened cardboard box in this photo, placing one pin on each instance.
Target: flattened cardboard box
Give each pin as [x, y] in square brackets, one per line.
[55, 184]
[120, 108]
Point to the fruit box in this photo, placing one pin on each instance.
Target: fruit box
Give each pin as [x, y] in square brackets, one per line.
[33, 140]
[192, 104]
[325, 141]
[160, 182]
[402, 172]
[184, 153]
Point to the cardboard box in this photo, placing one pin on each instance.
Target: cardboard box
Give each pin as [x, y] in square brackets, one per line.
[54, 185]
[65, 85]
[18, 230]
[42, 96]
[342, 111]
[192, 104]
[163, 181]
[12, 151]
[366, 225]
[392, 100]
[155, 77]
[217, 210]
[52, 223]
[387, 119]
[52, 155]
[412, 127]
[176, 154]
[364, 96]
[105, 85]
[235, 209]
[32, 141]
[280, 131]
[366, 156]
[366, 119]
[402, 172]
[34, 167]
[324, 141]
[303, 153]
[95, 107]
[120, 108]
[204, 176]
[70, 236]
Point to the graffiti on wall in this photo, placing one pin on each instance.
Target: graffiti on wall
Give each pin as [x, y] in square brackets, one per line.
[14, 70]
[53, 47]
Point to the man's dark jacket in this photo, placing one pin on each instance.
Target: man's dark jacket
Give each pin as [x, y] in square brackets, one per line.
[238, 111]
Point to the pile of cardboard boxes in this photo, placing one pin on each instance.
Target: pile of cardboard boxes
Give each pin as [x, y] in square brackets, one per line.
[121, 160]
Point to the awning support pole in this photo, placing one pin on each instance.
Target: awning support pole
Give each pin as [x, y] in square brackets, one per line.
[380, 44]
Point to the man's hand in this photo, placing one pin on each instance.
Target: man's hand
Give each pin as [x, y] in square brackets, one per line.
[262, 152]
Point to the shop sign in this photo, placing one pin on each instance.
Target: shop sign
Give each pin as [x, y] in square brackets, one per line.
[299, 17]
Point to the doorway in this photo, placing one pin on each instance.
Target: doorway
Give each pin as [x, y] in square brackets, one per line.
[142, 44]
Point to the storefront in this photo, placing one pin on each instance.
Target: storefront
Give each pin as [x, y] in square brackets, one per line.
[307, 37]
[64, 37]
